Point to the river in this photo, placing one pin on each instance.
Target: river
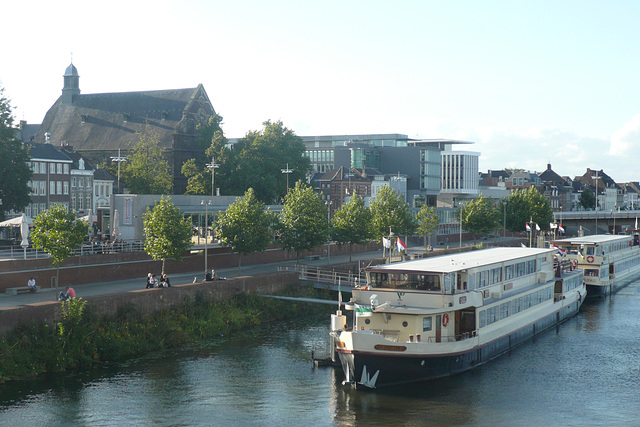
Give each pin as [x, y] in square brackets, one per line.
[586, 372]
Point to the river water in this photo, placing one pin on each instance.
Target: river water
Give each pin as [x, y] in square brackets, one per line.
[586, 372]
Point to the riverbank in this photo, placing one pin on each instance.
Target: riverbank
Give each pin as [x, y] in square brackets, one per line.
[84, 336]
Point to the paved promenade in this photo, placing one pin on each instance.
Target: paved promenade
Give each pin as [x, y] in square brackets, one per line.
[102, 288]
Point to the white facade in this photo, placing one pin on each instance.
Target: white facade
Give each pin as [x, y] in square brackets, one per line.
[460, 172]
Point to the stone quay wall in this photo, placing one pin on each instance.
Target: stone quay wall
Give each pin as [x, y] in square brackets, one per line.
[149, 300]
[78, 270]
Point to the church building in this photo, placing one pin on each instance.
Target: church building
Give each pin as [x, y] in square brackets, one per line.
[98, 125]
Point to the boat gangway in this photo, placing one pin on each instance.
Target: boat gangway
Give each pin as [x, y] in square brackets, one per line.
[327, 279]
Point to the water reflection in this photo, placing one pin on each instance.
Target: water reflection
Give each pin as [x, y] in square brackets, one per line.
[582, 372]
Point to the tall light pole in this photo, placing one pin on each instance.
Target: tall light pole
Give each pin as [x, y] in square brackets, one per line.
[596, 179]
[206, 231]
[287, 171]
[461, 209]
[213, 165]
[118, 159]
[329, 203]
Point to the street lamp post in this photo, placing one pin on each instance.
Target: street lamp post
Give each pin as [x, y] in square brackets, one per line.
[206, 230]
[329, 203]
[287, 171]
[213, 165]
[461, 209]
[118, 159]
[596, 179]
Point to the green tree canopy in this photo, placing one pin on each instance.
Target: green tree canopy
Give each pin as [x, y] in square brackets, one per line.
[351, 224]
[527, 205]
[427, 221]
[147, 171]
[196, 178]
[167, 233]
[245, 225]
[588, 199]
[257, 161]
[391, 213]
[57, 232]
[16, 174]
[304, 220]
[479, 215]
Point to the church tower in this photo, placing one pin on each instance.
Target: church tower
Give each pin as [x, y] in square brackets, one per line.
[71, 85]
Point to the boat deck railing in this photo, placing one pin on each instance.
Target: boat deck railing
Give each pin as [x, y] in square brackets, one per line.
[322, 275]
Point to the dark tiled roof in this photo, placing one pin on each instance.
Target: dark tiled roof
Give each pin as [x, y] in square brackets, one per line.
[103, 175]
[75, 157]
[108, 121]
[47, 151]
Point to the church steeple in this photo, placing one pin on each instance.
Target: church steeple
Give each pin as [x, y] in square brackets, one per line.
[71, 84]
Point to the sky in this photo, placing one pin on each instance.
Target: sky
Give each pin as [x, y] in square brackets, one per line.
[530, 83]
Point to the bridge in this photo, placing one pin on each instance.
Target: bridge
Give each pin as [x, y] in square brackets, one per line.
[597, 222]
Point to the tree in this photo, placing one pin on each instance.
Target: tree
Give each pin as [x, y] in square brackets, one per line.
[167, 233]
[351, 224]
[480, 215]
[527, 205]
[587, 199]
[245, 226]
[427, 220]
[15, 172]
[196, 178]
[303, 221]
[57, 232]
[391, 214]
[146, 171]
[257, 161]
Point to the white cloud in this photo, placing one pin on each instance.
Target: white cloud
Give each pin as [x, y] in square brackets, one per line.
[625, 139]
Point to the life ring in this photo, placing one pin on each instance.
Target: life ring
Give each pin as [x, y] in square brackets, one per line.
[445, 319]
[589, 259]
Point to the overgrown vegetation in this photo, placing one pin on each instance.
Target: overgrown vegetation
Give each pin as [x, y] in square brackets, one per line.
[82, 339]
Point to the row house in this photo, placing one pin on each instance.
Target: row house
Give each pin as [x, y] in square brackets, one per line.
[51, 180]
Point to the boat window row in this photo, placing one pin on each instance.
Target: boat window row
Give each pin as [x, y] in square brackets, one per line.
[597, 272]
[626, 264]
[498, 274]
[502, 311]
[425, 282]
[572, 283]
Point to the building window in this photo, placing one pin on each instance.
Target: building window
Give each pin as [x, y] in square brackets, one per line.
[88, 202]
[80, 202]
[66, 169]
[66, 187]
[34, 167]
[73, 182]
[35, 210]
[73, 201]
[52, 187]
[43, 207]
[52, 168]
[59, 166]
[27, 210]
[43, 188]
[59, 187]
[43, 167]
[80, 182]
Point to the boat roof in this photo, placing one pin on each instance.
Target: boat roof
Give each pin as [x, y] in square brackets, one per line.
[595, 239]
[461, 261]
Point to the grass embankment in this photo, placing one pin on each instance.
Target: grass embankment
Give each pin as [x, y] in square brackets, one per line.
[82, 339]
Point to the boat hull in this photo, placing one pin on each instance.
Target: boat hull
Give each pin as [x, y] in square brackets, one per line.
[374, 370]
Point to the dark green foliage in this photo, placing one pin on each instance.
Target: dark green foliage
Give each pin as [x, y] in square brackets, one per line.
[16, 174]
[82, 339]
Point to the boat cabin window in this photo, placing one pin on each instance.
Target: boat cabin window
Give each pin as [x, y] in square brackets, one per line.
[426, 324]
[424, 282]
[591, 272]
[591, 250]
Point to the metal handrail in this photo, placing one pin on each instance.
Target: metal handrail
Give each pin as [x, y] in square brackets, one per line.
[317, 274]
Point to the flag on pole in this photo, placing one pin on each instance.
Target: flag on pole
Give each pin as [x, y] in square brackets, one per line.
[386, 242]
[537, 227]
[526, 226]
[561, 228]
[401, 245]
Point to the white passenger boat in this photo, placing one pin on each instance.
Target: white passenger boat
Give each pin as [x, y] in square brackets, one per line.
[609, 261]
[437, 316]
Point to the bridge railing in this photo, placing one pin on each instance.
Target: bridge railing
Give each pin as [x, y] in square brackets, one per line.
[316, 274]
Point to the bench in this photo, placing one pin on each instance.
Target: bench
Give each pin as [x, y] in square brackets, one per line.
[19, 290]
